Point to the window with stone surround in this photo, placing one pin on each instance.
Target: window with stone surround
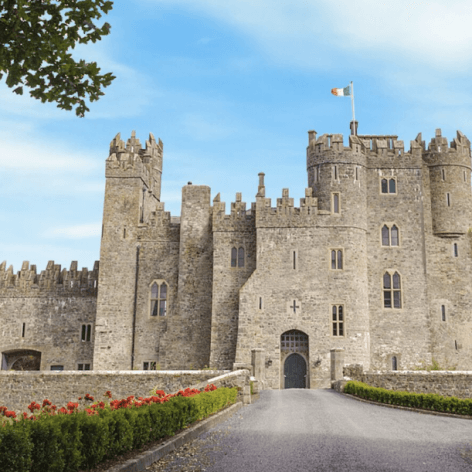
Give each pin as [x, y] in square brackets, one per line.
[390, 235]
[337, 320]
[392, 293]
[336, 259]
[455, 250]
[57, 367]
[159, 298]
[237, 257]
[241, 257]
[443, 312]
[83, 366]
[394, 363]
[150, 365]
[448, 199]
[388, 185]
[336, 203]
[234, 257]
[86, 333]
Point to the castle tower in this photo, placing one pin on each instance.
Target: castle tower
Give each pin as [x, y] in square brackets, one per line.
[449, 173]
[133, 184]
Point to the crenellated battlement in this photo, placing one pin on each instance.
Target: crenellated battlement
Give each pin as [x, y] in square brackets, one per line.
[239, 218]
[52, 279]
[440, 152]
[285, 214]
[160, 225]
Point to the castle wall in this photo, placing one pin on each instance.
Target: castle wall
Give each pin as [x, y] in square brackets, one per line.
[42, 315]
[401, 332]
[236, 230]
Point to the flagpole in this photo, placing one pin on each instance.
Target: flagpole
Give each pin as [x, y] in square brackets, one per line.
[352, 102]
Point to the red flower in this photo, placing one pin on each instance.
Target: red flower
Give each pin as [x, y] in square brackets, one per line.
[62, 410]
[80, 398]
[46, 402]
[108, 394]
[10, 414]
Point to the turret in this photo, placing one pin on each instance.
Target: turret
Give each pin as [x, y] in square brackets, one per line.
[449, 174]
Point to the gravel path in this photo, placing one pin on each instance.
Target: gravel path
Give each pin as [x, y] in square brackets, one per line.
[321, 430]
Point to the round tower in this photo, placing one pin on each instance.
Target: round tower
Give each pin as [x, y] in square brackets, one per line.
[449, 174]
[337, 175]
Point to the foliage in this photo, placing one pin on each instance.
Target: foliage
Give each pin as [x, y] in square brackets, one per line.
[426, 401]
[37, 36]
[435, 366]
[67, 439]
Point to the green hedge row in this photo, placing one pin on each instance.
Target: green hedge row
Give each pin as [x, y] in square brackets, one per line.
[67, 443]
[426, 401]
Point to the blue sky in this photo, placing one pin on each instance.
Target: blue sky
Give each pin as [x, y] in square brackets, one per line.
[231, 88]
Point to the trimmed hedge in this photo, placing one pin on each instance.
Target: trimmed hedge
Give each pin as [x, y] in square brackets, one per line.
[425, 401]
[67, 443]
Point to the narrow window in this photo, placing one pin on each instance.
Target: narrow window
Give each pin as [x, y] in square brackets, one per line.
[357, 173]
[335, 172]
[392, 186]
[397, 299]
[384, 186]
[455, 342]
[23, 330]
[443, 174]
[86, 332]
[260, 303]
[154, 298]
[234, 256]
[456, 251]
[394, 234]
[333, 259]
[448, 199]
[335, 202]
[316, 175]
[319, 172]
[340, 259]
[394, 363]
[338, 320]
[80, 367]
[387, 285]
[443, 312]
[241, 257]
[145, 365]
[124, 233]
[294, 259]
[465, 177]
[163, 300]
[385, 236]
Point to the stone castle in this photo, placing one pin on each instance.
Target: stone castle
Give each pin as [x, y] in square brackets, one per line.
[375, 260]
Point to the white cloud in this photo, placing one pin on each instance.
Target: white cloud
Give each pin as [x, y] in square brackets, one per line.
[87, 230]
[313, 34]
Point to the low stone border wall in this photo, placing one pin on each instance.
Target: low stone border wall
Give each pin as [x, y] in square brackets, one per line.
[447, 383]
[19, 389]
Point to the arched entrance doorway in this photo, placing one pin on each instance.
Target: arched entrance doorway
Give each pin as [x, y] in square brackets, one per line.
[294, 359]
[21, 360]
[295, 371]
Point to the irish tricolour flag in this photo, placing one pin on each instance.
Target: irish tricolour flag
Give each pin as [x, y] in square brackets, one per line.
[342, 92]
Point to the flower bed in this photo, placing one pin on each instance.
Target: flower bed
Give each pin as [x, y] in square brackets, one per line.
[68, 439]
[425, 401]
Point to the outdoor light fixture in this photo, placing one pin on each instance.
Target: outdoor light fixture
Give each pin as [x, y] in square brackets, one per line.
[268, 362]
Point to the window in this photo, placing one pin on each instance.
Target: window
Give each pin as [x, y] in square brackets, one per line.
[294, 259]
[241, 257]
[394, 363]
[443, 174]
[83, 366]
[455, 250]
[388, 186]
[336, 259]
[335, 172]
[86, 333]
[390, 236]
[260, 303]
[448, 199]
[150, 365]
[338, 320]
[465, 177]
[237, 257]
[392, 291]
[23, 330]
[159, 299]
[335, 202]
[443, 312]
[57, 367]
[357, 173]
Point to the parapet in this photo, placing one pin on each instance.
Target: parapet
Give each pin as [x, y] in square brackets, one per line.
[239, 220]
[131, 160]
[440, 152]
[161, 225]
[52, 279]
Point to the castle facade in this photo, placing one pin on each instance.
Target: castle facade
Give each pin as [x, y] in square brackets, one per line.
[376, 259]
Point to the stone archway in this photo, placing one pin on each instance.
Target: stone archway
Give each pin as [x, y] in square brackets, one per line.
[21, 360]
[294, 359]
[295, 371]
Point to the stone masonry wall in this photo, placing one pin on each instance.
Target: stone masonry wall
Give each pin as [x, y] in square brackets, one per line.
[19, 389]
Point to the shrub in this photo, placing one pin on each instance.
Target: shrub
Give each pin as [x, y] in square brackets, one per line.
[15, 448]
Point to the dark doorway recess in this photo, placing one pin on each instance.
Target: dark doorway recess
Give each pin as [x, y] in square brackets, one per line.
[295, 371]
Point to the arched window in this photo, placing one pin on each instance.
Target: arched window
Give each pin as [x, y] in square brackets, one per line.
[335, 202]
[234, 257]
[336, 259]
[387, 286]
[340, 259]
[385, 236]
[159, 299]
[241, 257]
[397, 297]
[338, 320]
[384, 186]
[388, 186]
[394, 234]
[394, 363]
